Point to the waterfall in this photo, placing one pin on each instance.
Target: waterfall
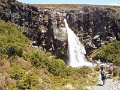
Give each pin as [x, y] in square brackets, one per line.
[76, 49]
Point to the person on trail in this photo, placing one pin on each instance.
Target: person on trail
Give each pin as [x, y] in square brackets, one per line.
[103, 74]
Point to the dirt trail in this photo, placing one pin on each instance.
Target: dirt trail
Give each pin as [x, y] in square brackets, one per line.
[109, 85]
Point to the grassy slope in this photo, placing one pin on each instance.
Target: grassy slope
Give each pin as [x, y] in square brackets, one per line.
[109, 52]
[23, 67]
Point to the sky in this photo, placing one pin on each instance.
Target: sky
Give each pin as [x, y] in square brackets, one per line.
[98, 2]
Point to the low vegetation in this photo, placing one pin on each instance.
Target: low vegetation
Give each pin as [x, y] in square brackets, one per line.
[12, 41]
[25, 68]
[110, 52]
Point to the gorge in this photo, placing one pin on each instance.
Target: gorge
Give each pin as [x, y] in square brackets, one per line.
[45, 27]
[52, 46]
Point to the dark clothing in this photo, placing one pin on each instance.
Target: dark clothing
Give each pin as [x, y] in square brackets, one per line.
[103, 78]
[103, 75]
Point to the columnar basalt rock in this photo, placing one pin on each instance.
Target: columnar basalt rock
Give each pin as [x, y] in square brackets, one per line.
[45, 26]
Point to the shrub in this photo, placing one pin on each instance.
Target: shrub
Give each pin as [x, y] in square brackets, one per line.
[38, 58]
[12, 41]
[109, 52]
[97, 68]
[16, 73]
[28, 81]
[79, 71]
[84, 70]
[14, 50]
[56, 66]
[21, 63]
[45, 60]
[70, 71]
[4, 64]
[11, 87]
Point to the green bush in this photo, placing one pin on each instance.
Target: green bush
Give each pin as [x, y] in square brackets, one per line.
[28, 81]
[84, 70]
[12, 41]
[38, 58]
[70, 71]
[56, 66]
[11, 87]
[109, 52]
[13, 50]
[16, 73]
[44, 60]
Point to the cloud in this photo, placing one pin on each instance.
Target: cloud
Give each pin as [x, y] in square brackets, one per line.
[114, 4]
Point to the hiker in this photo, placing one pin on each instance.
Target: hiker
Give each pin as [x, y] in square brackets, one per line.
[103, 74]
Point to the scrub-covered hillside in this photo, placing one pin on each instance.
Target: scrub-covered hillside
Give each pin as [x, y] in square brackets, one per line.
[110, 52]
[23, 67]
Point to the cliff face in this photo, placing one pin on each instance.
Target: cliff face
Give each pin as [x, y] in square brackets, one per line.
[94, 25]
[42, 26]
[45, 26]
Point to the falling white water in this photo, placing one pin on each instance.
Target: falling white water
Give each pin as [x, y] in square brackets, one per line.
[76, 49]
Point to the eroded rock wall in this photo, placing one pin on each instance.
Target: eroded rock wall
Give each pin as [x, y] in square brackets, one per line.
[94, 25]
[44, 27]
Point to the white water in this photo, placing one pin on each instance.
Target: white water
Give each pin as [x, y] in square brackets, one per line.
[76, 49]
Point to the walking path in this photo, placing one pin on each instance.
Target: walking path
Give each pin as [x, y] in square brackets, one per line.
[109, 85]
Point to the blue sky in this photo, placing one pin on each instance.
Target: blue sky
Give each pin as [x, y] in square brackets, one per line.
[99, 2]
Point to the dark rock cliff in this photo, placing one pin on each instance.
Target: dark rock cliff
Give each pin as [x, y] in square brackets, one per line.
[45, 26]
[94, 25]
